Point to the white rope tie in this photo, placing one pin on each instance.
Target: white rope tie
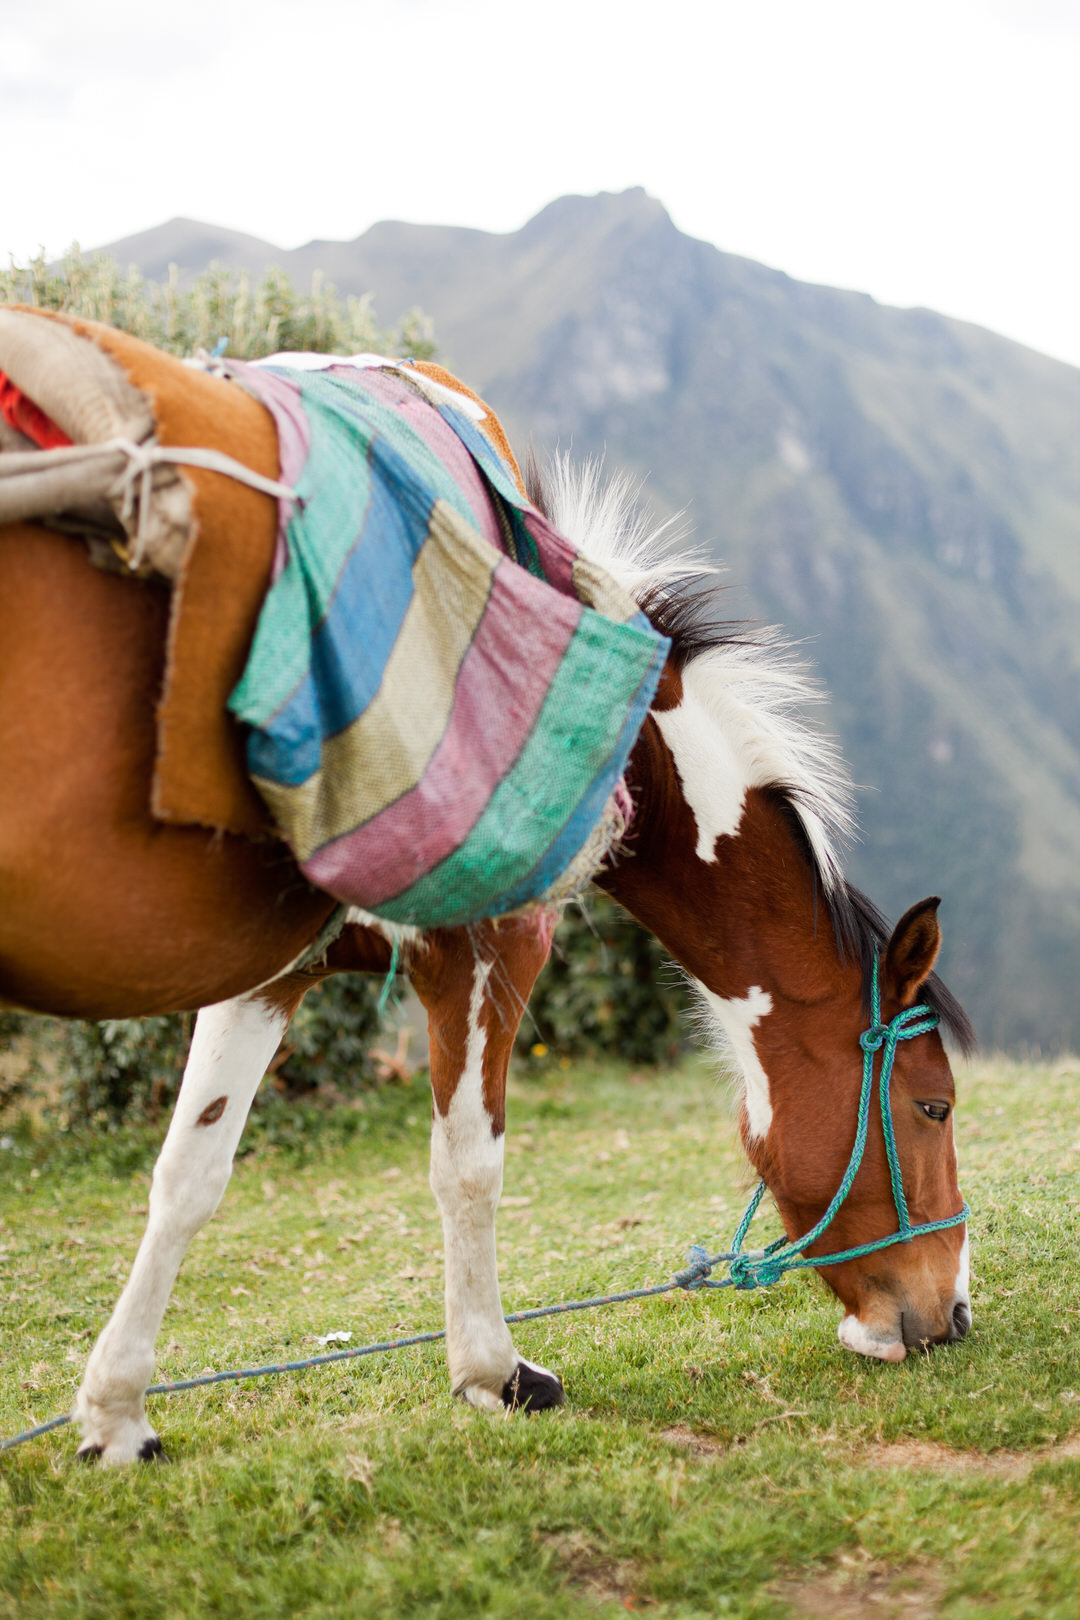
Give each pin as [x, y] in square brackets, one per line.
[143, 458]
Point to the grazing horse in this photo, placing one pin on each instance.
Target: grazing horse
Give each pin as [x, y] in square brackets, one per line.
[730, 859]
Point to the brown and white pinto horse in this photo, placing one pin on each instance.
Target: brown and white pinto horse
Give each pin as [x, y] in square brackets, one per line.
[730, 861]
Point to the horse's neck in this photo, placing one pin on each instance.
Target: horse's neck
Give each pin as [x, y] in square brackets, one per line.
[742, 911]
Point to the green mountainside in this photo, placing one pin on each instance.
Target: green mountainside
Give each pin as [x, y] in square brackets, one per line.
[899, 490]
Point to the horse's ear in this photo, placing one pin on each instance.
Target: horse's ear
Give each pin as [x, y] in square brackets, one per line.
[912, 951]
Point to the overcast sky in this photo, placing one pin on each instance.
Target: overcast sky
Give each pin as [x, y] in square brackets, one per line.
[924, 151]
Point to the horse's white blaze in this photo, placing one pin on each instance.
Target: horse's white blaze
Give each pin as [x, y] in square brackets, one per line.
[733, 1020]
[232, 1045]
[466, 1178]
[854, 1335]
[962, 1290]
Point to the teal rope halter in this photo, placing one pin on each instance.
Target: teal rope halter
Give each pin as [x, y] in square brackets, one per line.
[759, 1268]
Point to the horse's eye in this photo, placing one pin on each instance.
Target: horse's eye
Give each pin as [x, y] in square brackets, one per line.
[935, 1110]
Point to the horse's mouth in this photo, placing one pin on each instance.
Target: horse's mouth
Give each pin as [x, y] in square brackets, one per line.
[909, 1334]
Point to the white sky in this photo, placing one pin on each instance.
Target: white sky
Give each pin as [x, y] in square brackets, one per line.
[924, 151]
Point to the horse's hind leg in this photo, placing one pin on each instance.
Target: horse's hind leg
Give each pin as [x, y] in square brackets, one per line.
[232, 1045]
[475, 986]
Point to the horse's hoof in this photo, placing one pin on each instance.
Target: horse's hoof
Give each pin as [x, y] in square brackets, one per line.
[532, 1389]
[88, 1454]
[152, 1450]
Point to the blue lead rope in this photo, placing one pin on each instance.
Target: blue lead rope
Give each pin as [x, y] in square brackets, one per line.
[760, 1268]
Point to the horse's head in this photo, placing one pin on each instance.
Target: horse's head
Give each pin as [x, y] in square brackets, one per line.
[795, 968]
[905, 1294]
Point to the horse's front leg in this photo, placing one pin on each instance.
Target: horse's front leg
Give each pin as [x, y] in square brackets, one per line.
[475, 985]
[233, 1043]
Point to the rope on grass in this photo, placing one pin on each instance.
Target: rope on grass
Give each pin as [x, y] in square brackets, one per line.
[691, 1278]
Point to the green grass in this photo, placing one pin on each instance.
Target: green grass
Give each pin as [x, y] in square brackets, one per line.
[718, 1455]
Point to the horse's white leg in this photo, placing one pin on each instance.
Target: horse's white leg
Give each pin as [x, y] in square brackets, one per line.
[475, 989]
[232, 1045]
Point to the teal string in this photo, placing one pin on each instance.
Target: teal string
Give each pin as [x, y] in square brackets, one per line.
[391, 974]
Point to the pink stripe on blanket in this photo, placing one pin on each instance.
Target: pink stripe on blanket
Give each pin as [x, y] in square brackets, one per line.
[500, 691]
[556, 552]
[282, 398]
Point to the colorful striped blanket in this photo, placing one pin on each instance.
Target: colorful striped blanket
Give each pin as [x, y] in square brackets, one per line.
[442, 693]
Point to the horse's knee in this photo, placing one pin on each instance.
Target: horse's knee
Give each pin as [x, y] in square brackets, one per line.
[186, 1188]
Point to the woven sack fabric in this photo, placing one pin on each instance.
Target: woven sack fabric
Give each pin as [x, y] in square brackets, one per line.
[442, 693]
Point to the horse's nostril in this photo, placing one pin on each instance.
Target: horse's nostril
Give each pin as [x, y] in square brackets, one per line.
[961, 1318]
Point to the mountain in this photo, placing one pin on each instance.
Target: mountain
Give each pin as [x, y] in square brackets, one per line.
[900, 490]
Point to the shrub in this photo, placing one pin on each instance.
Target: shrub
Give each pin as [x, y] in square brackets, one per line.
[255, 318]
[125, 1068]
[609, 989]
[119, 1068]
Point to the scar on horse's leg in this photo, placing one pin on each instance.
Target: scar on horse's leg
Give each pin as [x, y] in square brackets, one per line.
[233, 1043]
[475, 987]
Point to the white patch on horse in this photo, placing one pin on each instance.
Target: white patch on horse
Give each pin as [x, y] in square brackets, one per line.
[231, 1047]
[963, 1274]
[735, 729]
[466, 1178]
[710, 767]
[731, 1022]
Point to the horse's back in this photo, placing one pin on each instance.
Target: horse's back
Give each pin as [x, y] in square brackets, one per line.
[105, 912]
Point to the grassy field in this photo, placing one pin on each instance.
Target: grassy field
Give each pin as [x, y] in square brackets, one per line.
[718, 1455]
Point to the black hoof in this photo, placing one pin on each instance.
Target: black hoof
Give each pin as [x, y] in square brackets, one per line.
[88, 1454]
[532, 1389]
[152, 1451]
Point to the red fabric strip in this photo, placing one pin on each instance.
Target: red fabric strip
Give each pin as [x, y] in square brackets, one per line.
[21, 413]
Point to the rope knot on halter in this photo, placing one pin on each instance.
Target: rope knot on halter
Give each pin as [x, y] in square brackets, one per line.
[755, 1271]
[874, 1038]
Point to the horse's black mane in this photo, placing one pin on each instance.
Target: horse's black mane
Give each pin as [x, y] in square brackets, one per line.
[687, 609]
[688, 613]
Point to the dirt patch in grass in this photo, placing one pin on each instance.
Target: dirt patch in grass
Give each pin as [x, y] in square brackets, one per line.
[584, 1567]
[855, 1590]
[702, 1445]
[927, 1456]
